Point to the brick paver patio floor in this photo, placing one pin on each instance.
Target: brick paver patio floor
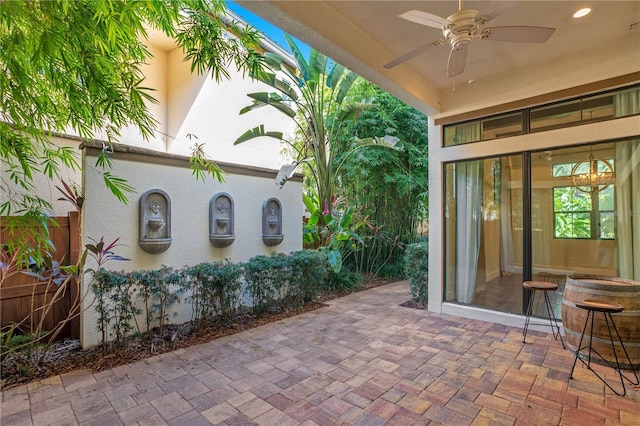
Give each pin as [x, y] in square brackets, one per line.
[364, 360]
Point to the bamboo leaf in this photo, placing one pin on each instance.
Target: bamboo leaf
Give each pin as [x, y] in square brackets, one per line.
[118, 187]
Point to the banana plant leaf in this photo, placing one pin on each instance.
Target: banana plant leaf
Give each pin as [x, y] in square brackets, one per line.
[276, 83]
[273, 60]
[257, 132]
[317, 65]
[285, 173]
[263, 98]
[344, 85]
[310, 202]
[335, 73]
[302, 63]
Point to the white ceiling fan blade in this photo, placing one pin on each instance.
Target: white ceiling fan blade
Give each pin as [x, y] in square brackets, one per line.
[424, 18]
[496, 9]
[518, 34]
[415, 52]
[457, 60]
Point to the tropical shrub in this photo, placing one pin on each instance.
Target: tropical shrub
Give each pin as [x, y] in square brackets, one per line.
[308, 272]
[390, 186]
[216, 289]
[333, 233]
[116, 310]
[417, 270]
[344, 280]
[266, 278]
[164, 290]
[116, 294]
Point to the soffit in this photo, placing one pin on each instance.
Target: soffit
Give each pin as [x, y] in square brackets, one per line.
[365, 35]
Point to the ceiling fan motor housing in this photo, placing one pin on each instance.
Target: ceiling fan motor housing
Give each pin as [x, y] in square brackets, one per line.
[463, 27]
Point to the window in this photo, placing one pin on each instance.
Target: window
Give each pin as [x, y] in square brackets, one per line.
[571, 213]
[485, 129]
[554, 116]
[603, 106]
[578, 214]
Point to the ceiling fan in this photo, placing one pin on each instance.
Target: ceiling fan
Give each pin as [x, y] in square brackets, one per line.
[465, 25]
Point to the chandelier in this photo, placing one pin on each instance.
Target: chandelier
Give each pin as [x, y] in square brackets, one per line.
[594, 174]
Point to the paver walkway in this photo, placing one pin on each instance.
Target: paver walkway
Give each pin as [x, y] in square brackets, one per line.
[364, 360]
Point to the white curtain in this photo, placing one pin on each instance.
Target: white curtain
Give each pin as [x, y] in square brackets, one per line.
[627, 168]
[468, 194]
[506, 228]
[541, 224]
[627, 191]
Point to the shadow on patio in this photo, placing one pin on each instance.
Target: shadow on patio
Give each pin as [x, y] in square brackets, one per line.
[364, 360]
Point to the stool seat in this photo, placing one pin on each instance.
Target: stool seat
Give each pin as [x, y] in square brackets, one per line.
[543, 287]
[597, 306]
[540, 285]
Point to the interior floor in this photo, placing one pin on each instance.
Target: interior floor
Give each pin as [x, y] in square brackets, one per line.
[505, 294]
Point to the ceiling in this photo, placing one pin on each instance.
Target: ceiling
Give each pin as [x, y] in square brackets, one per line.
[365, 35]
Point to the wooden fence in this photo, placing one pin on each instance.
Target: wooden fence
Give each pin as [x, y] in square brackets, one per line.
[21, 295]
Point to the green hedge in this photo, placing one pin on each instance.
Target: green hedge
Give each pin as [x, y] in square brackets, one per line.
[216, 291]
[417, 270]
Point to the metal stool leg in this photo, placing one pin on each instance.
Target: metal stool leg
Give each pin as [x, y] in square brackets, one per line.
[616, 367]
[528, 317]
[633, 370]
[575, 360]
[553, 319]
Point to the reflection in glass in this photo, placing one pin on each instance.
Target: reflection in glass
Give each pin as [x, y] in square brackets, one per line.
[572, 232]
[483, 233]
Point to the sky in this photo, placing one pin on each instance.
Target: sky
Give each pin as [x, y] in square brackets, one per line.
[269, 30]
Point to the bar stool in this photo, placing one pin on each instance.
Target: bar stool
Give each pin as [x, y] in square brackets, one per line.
[545, 287]
[593, 306]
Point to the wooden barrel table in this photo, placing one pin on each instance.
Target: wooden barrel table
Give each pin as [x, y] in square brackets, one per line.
[609, 290]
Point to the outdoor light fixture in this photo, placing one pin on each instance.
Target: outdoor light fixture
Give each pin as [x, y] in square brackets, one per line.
[592, 175]
[582, 12]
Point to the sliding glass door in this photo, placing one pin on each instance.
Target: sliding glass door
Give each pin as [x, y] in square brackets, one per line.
[584, 218]
[483, 236]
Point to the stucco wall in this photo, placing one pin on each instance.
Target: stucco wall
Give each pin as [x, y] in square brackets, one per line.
[195, 108]
[104, 216]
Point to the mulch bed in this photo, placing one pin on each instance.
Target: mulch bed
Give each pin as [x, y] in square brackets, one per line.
[413, 305]
[97, 359]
